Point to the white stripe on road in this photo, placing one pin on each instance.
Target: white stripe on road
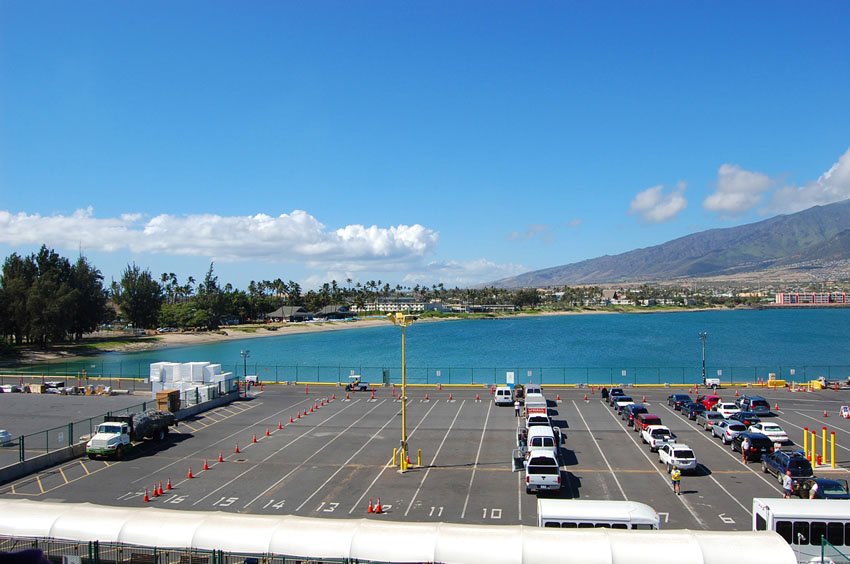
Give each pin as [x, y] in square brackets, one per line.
[599, 448]
[477, 456]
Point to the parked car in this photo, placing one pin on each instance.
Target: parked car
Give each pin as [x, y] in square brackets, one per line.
[677, 455]
[631, 411]
[691, 410]
[657, 435]
[779, 462]
[771, 430]
[746, 417]
[756, 404]
[614, 394]
[621, 402]
[542, 471]
[828, 488]
[707, 419]
[503, 396]
[709, 401]
[760, 445]
[726, 408]
[644, 420]
[676, 400]
[727, 430]
[537, 421]
[5, 437]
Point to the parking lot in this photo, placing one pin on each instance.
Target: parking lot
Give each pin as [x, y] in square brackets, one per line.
[335, 459]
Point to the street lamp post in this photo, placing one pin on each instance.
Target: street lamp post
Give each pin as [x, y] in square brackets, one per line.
[403, 321]
[703, 335]
[245, 354]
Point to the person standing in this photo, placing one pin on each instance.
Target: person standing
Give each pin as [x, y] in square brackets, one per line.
[813, 491]
[745, 448]
[676, 477]
[787, 484]
[516, 408]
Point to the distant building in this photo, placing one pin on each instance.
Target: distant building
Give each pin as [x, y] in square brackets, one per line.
[333, 312]
[812, 298]
[289, 313]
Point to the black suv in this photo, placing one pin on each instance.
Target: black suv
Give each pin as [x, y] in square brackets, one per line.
[631, 411]
[676, 400]
[780, 462]
[760, 445]
[746, 417]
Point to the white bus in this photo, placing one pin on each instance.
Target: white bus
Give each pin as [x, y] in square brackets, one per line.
[804, 522]
[590, 513]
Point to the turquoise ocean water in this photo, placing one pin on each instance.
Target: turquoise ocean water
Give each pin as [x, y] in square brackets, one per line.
[595, 348]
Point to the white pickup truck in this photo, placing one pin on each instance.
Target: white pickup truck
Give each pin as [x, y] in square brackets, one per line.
[657, 435]
[117, 435]
[542, 471]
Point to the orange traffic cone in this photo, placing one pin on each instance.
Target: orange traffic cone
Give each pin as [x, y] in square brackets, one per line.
[333, 397]
[306, 390]
[279, 425]
[189, 473]
[450, 397]
[825, 414]
[776, 407]
[477, 398]
[373, 394]
[146, 498]
[370, 509]
[291, 420]
[220, 457]
[558, 397]
[262, 387]
[254, 438]
[236, 450]
[736, 393]
[347, 397]
[168, 485]
[155, 491]
[305, 413]
[585, 397]
[378, 507]
[206, 465]
[267, 432]
[161, 491]
[426, 397]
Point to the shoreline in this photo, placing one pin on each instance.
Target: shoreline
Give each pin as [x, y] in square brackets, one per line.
[188, 339]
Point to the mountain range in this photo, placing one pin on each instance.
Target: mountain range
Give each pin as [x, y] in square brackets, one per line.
[812, 239]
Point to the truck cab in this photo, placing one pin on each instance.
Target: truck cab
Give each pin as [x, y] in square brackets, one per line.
[111, 439]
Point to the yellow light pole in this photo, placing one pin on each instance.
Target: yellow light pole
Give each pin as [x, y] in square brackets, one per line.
[403, 321]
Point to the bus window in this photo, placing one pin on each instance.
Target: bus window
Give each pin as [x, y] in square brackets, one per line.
[818, 530]
[835, 533]
[551, 524]
[801, 533]
[619, 526]
[569, 525]
[784, 530]
[585, 525]
[761, 524]
[642, 526]
[603, 525]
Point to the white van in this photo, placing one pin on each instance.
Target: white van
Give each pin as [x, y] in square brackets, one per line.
[533, 389]
[543, 438]
[503, 396]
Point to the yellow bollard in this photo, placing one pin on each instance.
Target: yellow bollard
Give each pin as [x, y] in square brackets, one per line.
[395, 453]
[806, 443]
[419, 455]
[823, 445]
[814, 447]
[832, 449]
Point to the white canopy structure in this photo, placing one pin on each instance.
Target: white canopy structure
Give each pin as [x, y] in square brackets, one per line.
[382, 541]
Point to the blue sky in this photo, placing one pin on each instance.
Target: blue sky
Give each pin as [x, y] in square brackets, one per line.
[411, 142]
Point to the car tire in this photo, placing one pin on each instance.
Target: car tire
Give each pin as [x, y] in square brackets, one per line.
[732, 445]
[528, 490]
[119, 452]
[765, 470]
[161, 435]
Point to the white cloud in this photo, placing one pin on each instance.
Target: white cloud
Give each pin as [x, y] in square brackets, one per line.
[462, 274]
[654, 206]
[738, 190]
[288, 237]
[575, 222]
[533, 230]
[832, 186]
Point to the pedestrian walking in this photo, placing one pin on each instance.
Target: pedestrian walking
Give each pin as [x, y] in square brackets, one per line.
[676, 477]
[745, 448]
[787, 484]
[604, 393]
[516, 408]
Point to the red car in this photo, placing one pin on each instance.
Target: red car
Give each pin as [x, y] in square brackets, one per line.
[708, 401]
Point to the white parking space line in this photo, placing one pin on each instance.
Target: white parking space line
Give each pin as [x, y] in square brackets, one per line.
[316, 452]
[213, 445]
[599, 448]
[477, 457]
[433, 460]
[344, 464]
[663, 475]
[372, 484]
[728, 452]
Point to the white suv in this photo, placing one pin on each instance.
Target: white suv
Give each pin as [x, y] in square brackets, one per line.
[677, 455]
[726, 408]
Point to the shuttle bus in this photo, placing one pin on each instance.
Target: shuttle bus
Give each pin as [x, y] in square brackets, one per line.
[818, 530]
[590, 513]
